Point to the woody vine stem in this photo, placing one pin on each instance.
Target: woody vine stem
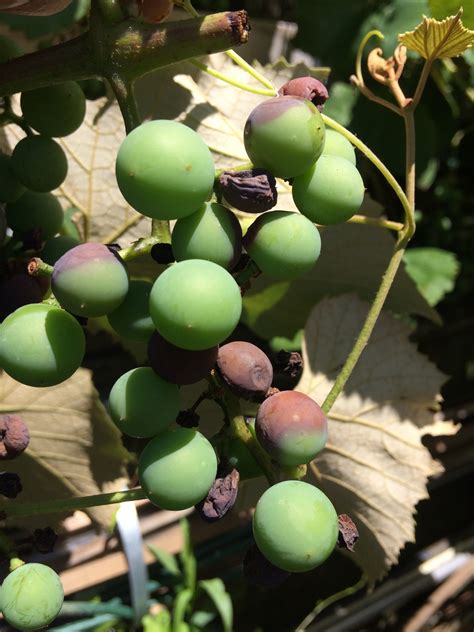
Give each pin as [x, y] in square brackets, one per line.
[117, 52]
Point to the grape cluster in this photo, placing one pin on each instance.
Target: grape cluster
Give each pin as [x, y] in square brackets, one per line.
[185, 316]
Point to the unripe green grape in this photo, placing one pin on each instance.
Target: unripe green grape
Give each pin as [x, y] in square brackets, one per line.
[177, 469]
[56, 247]
[10, 187]
[195, 304]
[41, 345]
[295, 526]
[283, 244]
[131, 320]
[213, 233]
[39, 163]
[337, 145]
[284, 135]
[40, 213]
[331, 192]
[32, 596]
[164, 170]
[142, 404]
[90, 280]
[56, 110]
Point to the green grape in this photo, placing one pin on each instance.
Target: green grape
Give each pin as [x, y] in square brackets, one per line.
[39, 163]
[142, 404]
[38, 213]
[331, 192]
[56, 247]
[56, 110]
[177, 469]
[41, 345]
[93, 88]
[213, 233]
[32, 596]
[132, 320]
[284, 135]
[283, 244]
[164, 170]
[90, 280]
[295, 526]
[336, 144]
[195, 304]
[10, 187]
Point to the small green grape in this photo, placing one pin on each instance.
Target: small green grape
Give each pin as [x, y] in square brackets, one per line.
[331, 192]
[56, 247]
[35, 212]
[32, 596]
[90, 280]
[195, 304]
[164, 170]
[142, 404]
[41, 345]
[56, 110]
[295, 526]
[336, 144]
[10, 187]
[213, 233]
[283, 244]
[39, 163]
[177, 468]
[284, 135]
[132, 320]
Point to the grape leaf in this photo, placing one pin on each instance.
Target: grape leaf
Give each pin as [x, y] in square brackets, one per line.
[434, 39]
[374, 467]
[442, 8]
[75, 449]
[433, 270]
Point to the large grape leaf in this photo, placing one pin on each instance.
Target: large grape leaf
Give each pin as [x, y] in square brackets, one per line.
[374, 467]
[75, 449]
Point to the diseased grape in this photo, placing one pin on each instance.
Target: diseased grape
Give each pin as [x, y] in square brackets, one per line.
[245, 369]
[56, 110]
[14, 436]
[307, 87]
[90, 280]
[35, 213]
[337, 145]
[222, 495]
[331, 192]
[164, 170]
[284, 135]
[32, 596]
[41, 345]
[250, 190]
[10, 187]
[18, 290]
[213, 233]
[56, 247]
[291, 427]
[177, 365]
[142, 404]
[132, 320]
[39, 163]
[295, 526]
[195, 304]
[177, 469]
[283, 244]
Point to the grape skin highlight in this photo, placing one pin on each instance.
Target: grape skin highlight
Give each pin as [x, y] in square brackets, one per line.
[32, 596]
[177, 469]
[195, 304]
[295, 526]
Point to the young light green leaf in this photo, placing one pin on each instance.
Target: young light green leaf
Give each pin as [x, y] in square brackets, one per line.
[75, 449]
[187, 557]
[180, 606]
[166, 559]
[434, 39]
[160, 622]
[220, 597]
[433, 270]
[375, 466]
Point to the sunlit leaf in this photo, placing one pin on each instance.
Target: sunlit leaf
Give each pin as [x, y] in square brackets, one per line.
[434, 39]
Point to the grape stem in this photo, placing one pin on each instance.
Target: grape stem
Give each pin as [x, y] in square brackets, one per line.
[32, 508]
[233, 82]
[37, 267]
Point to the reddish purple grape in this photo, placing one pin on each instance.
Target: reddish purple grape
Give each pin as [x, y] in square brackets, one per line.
[179, 366]
[245, 369]
[291, 427]
[307, 87]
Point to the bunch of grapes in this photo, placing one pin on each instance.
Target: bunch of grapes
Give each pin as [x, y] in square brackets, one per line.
[166, 172]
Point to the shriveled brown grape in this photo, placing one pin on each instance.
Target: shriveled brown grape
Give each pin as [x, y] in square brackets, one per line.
[245, 369]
